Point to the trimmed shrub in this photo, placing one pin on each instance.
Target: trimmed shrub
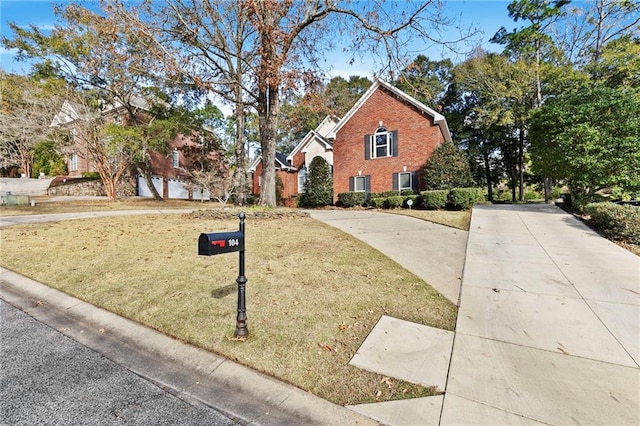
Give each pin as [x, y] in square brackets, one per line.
[463, 198]
[417, 201]
[618, 222]
[448, 167]
[351, 199]
[393, 202]
[377, 202]
[319, 185]
[387, 194]
[434, 200]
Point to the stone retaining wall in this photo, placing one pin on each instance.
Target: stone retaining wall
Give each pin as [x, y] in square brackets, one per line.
[92, 188]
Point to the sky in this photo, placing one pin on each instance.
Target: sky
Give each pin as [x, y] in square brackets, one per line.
[486, 15]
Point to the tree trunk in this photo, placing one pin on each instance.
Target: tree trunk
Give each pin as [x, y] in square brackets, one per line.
[521, 164]
[241, 158]
[268, 118]
[547, 189]
[487, 171]
[145, 172]
[109, 187]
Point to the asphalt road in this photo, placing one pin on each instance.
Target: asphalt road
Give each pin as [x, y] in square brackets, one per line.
[48, 378]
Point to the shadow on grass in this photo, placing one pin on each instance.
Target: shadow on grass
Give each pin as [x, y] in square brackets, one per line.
[222, 292]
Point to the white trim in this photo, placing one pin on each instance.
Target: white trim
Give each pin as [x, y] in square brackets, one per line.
[306, 141]
[400, 188]
[437, 117]
[364, 183]
[254, 165]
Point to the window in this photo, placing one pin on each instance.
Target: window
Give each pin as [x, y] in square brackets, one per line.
[302, 179]
[360, 183]
[175, 159]
[381, 144]
[73, 163]
[405, 181]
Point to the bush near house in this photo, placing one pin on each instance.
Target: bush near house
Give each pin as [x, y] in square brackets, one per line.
[319, 185]
[393, 202]
[454, 199]
[448, 167]
[435, 199]
[377, 202]
[351, 199]
[618, 222]
[416, 200]
[464, 198]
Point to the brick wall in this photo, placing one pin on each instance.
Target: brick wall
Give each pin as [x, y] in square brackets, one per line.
[417, 138]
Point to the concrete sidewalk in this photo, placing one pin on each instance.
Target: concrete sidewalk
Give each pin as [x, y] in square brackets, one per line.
[548, 329]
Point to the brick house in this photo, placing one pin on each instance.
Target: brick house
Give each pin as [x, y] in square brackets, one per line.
[292, 169]
[384, 141]
[168, 169]
[314, 144]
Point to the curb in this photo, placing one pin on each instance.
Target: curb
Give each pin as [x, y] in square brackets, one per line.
[190, 373]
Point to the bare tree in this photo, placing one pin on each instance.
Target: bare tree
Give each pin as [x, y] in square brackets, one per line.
[589, 27]
[84, 122]
[27, 109]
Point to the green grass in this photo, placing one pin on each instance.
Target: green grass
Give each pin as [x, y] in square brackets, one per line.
[313, 295]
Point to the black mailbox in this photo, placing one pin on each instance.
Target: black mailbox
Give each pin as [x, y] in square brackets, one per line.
[220, 242]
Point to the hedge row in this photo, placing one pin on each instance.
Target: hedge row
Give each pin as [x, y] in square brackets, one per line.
[456, 199]
[618, 222]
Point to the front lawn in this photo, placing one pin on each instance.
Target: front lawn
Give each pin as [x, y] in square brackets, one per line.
[313, 295]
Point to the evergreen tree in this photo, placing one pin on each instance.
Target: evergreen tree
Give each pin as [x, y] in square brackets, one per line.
[319, 185]
[447, 168]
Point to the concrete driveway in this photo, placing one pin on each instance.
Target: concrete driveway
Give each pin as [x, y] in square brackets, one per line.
[433, 252]
[548, 328]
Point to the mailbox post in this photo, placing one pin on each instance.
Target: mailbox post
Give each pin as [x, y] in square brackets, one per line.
[227, 242]
[241, 318]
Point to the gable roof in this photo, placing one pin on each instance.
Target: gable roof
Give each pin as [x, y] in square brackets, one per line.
[304, 143]
[281, 160]
[437, 117]
[70, 111]
[319, 134]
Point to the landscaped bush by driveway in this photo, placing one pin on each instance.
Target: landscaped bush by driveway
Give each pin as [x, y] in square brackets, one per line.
[620, 223]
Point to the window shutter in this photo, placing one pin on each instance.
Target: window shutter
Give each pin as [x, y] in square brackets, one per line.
[367, 184]
[367, 147]
[414, 181]
[352, 183]
[394, 143]
[396, 183]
